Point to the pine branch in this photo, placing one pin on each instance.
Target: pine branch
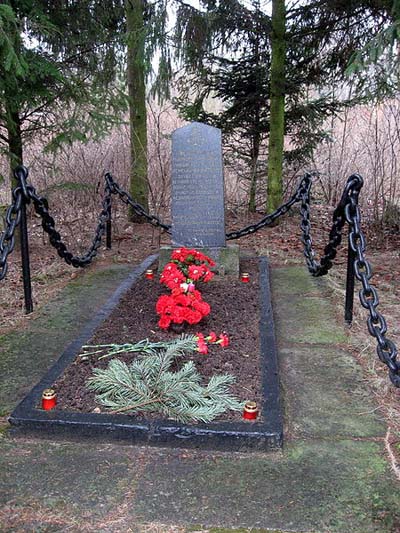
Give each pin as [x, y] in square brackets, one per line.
[148, 384]
[135, 406]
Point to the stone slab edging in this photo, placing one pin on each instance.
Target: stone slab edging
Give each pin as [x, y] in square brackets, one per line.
[27, 418]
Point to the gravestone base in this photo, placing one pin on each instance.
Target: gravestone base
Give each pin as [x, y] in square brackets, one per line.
[225, 257]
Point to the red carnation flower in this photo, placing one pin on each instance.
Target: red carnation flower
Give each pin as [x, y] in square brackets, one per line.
[212, 337]
[176, 291]
[182, 299]
[196, 295]
[193, 316]
[223, 340]
[202, 348]
[202, 307]
[163, 303]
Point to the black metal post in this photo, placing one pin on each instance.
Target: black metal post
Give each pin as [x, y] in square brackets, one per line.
[108, 228]
[21, 174]
[348, 306]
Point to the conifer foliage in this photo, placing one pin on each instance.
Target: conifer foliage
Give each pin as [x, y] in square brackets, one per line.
[149, 384]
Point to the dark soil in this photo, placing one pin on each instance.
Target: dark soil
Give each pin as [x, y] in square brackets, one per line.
[234, 310]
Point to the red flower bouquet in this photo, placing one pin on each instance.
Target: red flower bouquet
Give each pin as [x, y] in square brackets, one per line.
[180, 307]
[185, 303]
[194, 265]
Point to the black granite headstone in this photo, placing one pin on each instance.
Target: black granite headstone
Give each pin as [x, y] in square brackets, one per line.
[198, 217]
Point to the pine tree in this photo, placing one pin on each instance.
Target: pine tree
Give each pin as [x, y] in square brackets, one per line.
[239, 83]
[65, 86]
[375, 68]
[222, 60]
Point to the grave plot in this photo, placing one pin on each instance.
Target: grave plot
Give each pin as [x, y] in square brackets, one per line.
[225, 399]
[129, 316]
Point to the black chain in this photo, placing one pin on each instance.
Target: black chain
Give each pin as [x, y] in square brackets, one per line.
[386, 349]
[138, 209]
[42, 208]
[347, 211]
[155, 221]
[335, 235]
[269, 219]
[7, 241]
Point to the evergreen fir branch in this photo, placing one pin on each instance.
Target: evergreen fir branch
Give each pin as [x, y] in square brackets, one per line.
[11, 61]
[116, 377]
[181, 345]
[139, 405]
[148, 385]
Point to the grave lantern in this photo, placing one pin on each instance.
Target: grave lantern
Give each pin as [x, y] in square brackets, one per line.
[149, 274]
[49, 399]
[250, 411]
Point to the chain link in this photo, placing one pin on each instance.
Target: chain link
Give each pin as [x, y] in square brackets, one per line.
[42, 208]
[269, 219]
[386, 349]
[7, 240]
[138, 209]
[155, 221]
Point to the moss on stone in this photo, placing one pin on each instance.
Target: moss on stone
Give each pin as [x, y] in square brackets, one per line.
[325, 486]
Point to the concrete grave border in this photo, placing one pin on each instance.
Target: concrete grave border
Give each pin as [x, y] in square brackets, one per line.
[27, 418]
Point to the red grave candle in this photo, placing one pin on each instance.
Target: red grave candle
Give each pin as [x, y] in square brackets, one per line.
[245, 277]
[49, 399]
[250, 411]
[149, 274]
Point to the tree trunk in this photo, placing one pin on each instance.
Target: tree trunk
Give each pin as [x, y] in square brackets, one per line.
[255, 152]
[277, 110]
[134, 11]
[256, 137]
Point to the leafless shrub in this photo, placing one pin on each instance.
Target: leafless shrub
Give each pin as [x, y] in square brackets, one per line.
[75, 174]
[365, 139]
[161, 122]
